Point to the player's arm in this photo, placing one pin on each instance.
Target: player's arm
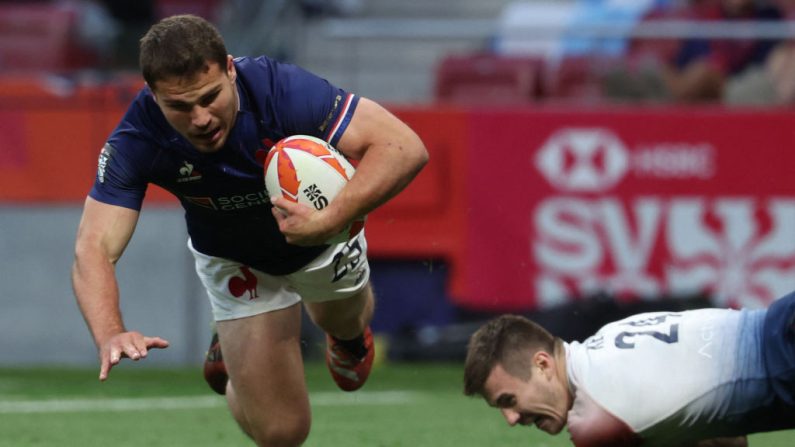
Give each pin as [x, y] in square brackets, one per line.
[102, 236]
[390, 155]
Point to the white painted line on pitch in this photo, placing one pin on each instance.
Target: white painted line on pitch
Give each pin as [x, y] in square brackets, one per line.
[130, 404]
[335, 398]
[321, 399]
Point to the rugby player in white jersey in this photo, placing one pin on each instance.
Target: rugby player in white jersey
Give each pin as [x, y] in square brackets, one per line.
[701, 378]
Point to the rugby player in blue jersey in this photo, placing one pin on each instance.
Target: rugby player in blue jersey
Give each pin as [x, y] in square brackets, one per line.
[199, 129]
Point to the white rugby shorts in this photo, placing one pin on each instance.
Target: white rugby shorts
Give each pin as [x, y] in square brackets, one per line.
[237, 290]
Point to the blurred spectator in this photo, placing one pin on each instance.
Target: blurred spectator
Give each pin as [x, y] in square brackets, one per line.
[775, 83]
[698, 69]
[96, 31]
[617, 16]
[110, 29]
[133, 18]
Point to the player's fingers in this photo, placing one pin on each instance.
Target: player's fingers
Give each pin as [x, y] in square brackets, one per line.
[278, 214]
[156, 342]
[140, 345]
[114, 356]
[104, 368]
[106, 362]
[285, 206]
[131, 351]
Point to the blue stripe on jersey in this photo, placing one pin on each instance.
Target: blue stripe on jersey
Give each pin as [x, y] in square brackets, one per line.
[335, 131]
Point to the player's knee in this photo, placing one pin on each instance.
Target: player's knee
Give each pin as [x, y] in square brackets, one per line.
[344, 318]
[289, 432]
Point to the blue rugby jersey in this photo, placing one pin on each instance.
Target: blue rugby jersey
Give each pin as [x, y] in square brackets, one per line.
[227, 209]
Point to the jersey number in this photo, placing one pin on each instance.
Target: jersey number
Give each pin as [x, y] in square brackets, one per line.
[626, 339]
[346, 259]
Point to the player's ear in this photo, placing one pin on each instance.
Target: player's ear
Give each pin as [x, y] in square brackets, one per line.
[543, 362]
[230, 68]
[154, 93]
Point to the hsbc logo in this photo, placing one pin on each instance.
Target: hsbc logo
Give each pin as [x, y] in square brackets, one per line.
[585, 159]
[596, 159]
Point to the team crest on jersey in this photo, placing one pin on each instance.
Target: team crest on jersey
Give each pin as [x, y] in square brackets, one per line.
[187, 173]
[102, 163]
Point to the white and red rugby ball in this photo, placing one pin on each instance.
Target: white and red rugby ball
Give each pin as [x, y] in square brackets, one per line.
[310, 171]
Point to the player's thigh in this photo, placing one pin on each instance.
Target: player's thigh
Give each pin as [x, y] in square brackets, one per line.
[262, 354]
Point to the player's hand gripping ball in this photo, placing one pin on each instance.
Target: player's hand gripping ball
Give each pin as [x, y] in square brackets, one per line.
[310, 171]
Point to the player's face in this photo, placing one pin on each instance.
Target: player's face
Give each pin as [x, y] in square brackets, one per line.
[202, 107]
[542, 400]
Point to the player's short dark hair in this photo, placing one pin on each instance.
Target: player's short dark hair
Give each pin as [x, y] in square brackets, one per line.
[508, 340]
[178, 46]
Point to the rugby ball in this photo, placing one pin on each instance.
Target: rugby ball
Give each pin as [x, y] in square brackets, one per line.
[308, 170]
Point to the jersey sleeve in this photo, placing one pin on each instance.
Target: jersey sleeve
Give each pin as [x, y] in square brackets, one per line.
[126, 160]
[120, 180]
[308, 104]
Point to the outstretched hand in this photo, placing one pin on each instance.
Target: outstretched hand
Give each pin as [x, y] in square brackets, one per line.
[300, 224]
[132, 345]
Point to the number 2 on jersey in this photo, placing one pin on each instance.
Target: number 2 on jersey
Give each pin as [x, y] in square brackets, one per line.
[626, 339]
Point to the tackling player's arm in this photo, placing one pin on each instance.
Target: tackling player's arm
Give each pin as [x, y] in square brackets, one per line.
[102, 236]
[390, 155]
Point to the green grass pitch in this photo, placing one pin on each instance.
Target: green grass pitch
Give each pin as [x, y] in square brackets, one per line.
[411, 405]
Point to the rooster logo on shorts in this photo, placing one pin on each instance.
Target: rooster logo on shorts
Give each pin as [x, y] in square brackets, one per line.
[248, 283]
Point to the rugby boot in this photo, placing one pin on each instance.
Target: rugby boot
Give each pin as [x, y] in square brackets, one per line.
[214, 367]
[350, 367]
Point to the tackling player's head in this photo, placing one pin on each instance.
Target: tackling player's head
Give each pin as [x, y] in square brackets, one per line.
[184, 61]
[519, 368]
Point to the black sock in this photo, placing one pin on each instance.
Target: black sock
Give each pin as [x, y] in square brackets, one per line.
[355, 346]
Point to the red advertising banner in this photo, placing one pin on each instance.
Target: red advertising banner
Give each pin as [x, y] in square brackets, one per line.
[633, 203]
[529, 208]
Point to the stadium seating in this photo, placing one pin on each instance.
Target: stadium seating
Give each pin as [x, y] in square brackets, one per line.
[38, 37]
[575, 78]
[483, 78]
[488, 78]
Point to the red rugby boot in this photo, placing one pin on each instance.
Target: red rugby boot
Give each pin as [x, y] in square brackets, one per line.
[214, 367]
[350, 369]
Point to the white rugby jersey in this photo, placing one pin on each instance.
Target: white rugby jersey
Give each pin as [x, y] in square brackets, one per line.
[667, 378]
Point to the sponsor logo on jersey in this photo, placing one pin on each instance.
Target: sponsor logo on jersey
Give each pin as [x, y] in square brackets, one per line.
[104, 157]
[187, 173]
[230, 203]
[205, 202]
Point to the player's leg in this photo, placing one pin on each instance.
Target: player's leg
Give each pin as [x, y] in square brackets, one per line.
[257, 358]
[344, 318]
[339, 299]
[266, 392]
[349, 341]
